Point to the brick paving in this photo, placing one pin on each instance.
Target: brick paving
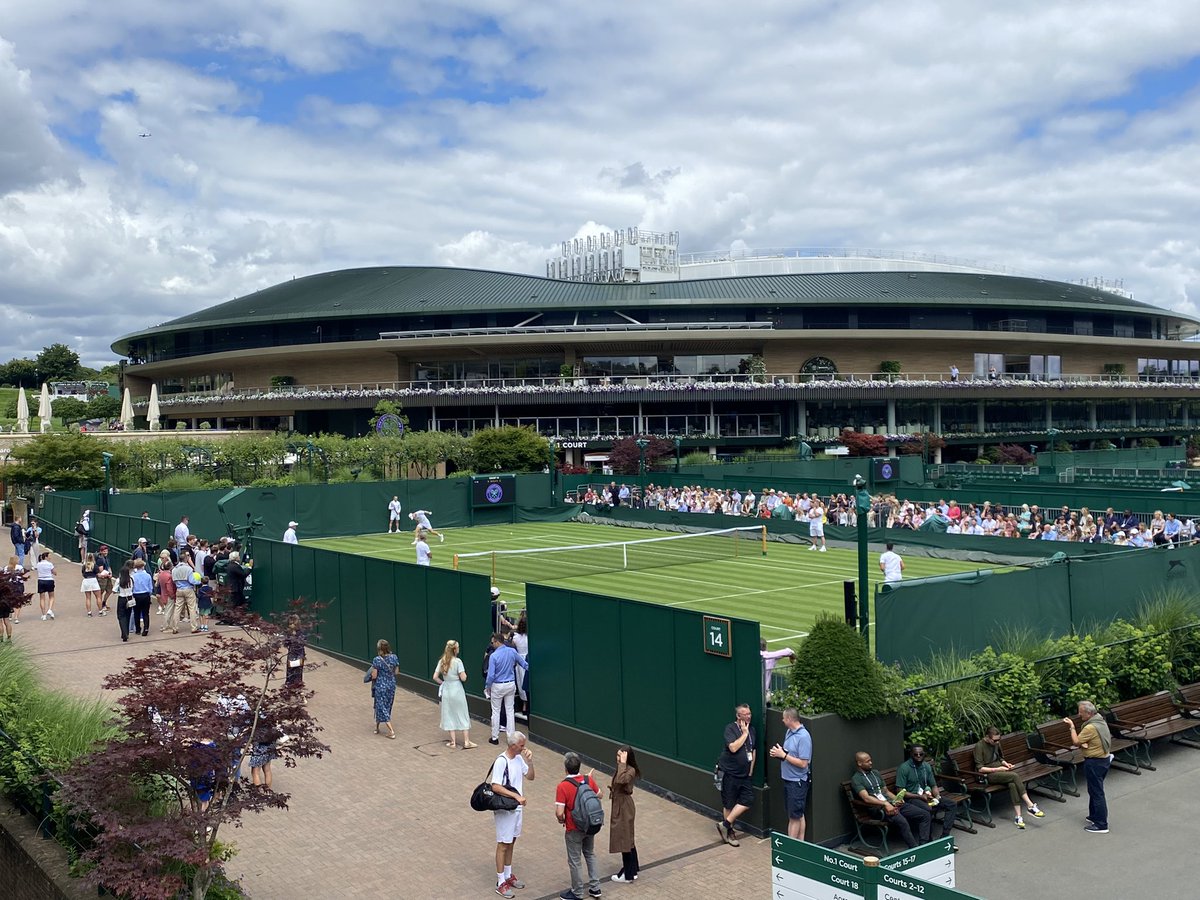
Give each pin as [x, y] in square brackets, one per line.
[377, 817]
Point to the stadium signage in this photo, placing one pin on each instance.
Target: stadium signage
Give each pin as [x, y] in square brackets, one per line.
[718, 636]
[573, 445]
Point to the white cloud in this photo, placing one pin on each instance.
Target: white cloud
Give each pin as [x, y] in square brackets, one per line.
[971, 130]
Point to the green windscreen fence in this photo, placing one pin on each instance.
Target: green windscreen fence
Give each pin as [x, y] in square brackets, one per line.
[638, 673]
[415, 608]
[916, 619]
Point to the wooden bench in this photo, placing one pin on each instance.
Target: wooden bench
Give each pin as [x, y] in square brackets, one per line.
[1045, 777]
[867, 816]
[1189, 698]
[1052, 744]
[1146, 719]
[959, 765]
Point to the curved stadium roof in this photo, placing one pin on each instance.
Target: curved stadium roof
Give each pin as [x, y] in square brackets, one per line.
[424, 290]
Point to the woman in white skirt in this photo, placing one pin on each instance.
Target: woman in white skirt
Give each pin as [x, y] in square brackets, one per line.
[90, 588]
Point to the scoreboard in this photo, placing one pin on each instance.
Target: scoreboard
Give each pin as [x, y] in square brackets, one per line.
[493, 490]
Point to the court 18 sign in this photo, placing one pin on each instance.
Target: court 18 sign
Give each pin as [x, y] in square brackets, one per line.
[718, 636]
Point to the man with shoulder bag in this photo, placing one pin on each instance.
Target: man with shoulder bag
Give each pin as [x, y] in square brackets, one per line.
[508, 776]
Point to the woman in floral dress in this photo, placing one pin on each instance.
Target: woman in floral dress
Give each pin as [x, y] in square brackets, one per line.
[384, 669]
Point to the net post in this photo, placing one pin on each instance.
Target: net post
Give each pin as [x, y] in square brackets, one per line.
[624, 556]
[737, 540]
[764, 540]
[455, 562]
[493, 567]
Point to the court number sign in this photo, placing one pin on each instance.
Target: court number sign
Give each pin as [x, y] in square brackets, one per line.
[718, 636]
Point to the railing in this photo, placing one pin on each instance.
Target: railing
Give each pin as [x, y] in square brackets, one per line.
[715, 256]
[575, 329]
[665, 381]
[972, 469]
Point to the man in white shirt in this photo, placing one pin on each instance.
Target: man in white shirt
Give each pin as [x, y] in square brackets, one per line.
[182, 532]
[509, 772]
[289, 536]
[891, 565]
[424, 554]
[394, 515]
[816, 527]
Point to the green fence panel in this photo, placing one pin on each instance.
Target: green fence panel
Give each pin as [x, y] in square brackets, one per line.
[1108, 589]
[333, 582]
[647, 642]
[445, 621]
[551, 659]
[597, 694]
[351, 603]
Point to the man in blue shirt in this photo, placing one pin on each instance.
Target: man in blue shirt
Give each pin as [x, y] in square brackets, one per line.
[500, 686]
[794, 755]
[1171, 530]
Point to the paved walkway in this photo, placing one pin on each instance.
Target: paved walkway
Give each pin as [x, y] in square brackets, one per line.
[378, 817]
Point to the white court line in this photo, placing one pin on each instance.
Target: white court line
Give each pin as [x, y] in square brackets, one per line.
[790, 587]
[788, 637]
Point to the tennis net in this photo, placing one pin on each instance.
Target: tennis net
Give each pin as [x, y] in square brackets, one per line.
[551, 563]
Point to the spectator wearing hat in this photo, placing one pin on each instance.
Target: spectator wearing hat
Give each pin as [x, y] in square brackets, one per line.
[83, 529]
[500, 620]
[289, 536]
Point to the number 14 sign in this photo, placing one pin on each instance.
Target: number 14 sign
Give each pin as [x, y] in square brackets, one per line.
[718, 636]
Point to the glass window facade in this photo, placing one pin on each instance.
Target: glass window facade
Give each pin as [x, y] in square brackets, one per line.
[484, 369]
[1167, 369]
[707, 364]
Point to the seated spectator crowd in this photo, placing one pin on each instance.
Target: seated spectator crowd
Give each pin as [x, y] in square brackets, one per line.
[1125, 529]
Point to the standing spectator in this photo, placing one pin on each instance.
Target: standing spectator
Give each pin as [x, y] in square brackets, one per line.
[868, 786]
[394, 515]
[33, 537]
[15, 574]
[82, 528]
[509, 772]
[289, 536]
[1096, 742]
[737, 764]
[90, 586]
[621, 838]
[166, 591]
[500, 686]
[17, 535]
[424, 554]
[182, 532]
[520, 640]
[891, 564]
[770, 660]
[794, 755]
[126, 604]
[579, 843]
[235, 580]
[104, 564]
[384, 669]
[184, 606]
[45, 585]
[142, 550]
[450, 675]
[295, 645]
[421, 517]
[989, 762]
[953, 372]
[262, 751]
[171, 553]
[143, 587]
[204, 601]
[816, 527]
[915, 777]
[500, 620]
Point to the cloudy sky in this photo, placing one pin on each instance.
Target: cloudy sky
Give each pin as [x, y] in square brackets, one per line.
[294, 136]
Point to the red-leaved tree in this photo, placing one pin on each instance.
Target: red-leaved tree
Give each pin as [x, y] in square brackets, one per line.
[158, 794]
[864, 444]
[625, 455]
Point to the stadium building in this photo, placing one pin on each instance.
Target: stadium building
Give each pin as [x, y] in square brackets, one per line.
[726, 352]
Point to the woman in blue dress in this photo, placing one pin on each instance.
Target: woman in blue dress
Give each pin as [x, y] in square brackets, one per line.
[384, 669]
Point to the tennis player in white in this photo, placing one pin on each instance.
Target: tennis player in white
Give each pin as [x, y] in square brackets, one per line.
[816, 526]
[394, 515]
[421, 517]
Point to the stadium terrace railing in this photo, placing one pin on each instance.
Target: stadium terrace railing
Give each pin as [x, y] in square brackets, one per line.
[663, 381]
[573, 329]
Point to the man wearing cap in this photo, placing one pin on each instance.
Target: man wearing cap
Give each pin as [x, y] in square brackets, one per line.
[289, 536]
[142, 551]
[82, 529]
[500, 620]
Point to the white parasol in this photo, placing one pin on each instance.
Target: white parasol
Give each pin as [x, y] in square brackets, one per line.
[152, 412]
[45, 407]
[22, 411]
[127, 410]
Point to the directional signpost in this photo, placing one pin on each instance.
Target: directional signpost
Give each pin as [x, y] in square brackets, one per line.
[802, 871]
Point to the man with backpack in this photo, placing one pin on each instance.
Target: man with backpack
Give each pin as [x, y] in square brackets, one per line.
[577, 806]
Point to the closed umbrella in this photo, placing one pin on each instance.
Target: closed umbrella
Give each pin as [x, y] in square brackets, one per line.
[152, 412]
[22, 410]
[127, 410]
[45, 407]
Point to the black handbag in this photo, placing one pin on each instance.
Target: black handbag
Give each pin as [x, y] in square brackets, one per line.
[484, 799]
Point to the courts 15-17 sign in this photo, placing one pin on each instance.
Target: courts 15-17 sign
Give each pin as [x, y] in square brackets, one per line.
[718, 636]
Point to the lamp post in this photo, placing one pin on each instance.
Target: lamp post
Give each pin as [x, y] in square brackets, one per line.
[642, 444]
[107, 460]
[678, 444]
[862, 506]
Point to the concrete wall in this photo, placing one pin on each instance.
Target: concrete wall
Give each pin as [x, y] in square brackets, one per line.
[33, 867]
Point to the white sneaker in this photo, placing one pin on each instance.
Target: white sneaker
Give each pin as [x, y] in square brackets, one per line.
[812, 546]
[823, 549]
[50, 613]
[44, 617]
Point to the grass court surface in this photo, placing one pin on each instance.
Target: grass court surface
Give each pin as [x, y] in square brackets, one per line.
[784, 590]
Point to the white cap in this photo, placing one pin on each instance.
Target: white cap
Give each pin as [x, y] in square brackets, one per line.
[495, 592]
[293, 524]
[142, 540]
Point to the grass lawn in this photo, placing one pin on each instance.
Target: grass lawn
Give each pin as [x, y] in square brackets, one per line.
[784, 590]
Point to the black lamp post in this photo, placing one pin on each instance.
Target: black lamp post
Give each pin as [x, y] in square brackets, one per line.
[862, 506]
[642, 444]
[678, 444]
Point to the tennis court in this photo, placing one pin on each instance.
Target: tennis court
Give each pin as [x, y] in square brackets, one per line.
[783, 590]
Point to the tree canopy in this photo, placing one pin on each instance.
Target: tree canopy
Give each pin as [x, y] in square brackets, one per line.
[509, 449]
[58, 362]
[64, 461]
[625, 457]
